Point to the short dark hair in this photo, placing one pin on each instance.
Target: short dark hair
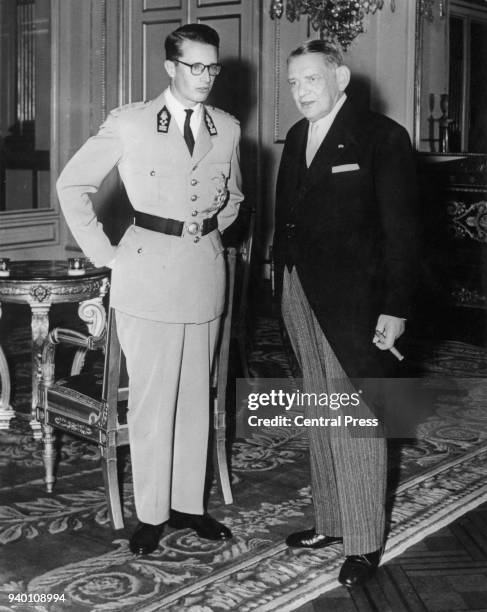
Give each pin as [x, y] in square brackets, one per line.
[331, 52]
[197, 32]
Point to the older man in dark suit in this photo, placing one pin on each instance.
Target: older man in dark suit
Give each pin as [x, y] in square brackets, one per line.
[345, 251]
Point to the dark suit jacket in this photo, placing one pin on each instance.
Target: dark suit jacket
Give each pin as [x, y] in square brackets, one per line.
[355, 235]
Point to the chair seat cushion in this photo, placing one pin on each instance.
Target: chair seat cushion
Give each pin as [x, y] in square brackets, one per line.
[80, 397]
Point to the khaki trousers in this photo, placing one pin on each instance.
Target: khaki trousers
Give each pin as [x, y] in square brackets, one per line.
[169, 367]
[348, 471]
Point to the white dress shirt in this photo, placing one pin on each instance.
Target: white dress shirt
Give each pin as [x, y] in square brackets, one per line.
[177, 109]
[319, 129]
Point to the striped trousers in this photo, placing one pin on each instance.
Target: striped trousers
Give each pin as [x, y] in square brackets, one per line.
[348, 471]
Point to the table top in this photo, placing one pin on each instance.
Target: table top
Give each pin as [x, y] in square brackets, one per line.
[48, 270]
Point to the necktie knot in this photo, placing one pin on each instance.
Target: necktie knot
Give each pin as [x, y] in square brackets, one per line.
[187, 132]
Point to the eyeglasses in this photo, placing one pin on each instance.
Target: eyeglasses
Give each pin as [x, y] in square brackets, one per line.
[198, 68]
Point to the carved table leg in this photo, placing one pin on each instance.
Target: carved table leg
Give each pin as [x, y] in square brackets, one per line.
[49, 455]
[40, 330]
[6, 411]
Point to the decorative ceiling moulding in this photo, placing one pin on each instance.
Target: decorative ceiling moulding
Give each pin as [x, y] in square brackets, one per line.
[338, 20]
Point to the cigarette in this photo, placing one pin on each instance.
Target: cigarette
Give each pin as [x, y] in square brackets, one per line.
[399, 356]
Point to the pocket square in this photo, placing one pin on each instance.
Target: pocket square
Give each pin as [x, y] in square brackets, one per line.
[345, 168]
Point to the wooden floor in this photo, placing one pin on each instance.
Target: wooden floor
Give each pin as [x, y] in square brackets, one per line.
[446, 572]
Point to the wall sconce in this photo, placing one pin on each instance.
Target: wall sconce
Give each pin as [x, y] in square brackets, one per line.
[341, 20]
[427, 9]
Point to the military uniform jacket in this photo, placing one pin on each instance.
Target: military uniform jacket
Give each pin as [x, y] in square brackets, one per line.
[158, 276]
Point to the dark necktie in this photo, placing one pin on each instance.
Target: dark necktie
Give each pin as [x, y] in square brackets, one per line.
[188, 134]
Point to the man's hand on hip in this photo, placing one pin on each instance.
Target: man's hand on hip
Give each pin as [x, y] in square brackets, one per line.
[387, 330]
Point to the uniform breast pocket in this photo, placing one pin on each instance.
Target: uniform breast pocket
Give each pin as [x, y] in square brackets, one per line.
[145, 183]
[163, 183]
[219, 168]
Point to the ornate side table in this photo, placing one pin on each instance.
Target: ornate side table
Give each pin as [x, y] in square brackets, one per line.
[454, 201]
[41, 283]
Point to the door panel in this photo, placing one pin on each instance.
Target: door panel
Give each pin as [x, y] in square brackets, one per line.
[146, 25]
[212, 3]
[155, 78]
[163, 5]
[148, 22]
[230, 88]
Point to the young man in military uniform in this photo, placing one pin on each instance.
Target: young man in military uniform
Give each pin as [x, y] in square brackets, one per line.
[179, 161]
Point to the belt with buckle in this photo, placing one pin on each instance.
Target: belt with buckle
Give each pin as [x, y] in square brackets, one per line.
[173, 227]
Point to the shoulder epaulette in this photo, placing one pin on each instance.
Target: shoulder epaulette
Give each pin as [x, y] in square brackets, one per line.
[130, 106]
[219, 111]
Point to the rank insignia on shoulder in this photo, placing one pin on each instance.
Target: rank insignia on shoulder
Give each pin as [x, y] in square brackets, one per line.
[209, 124]
[163, 120]
[219, 111]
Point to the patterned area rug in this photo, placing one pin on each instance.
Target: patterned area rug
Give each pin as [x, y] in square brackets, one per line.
[62, 545]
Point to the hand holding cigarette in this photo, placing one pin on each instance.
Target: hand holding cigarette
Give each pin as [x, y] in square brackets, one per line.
[380, 338]
[387, 330]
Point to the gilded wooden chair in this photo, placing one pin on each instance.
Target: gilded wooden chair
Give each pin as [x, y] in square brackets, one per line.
[93, 405]
[243, 277]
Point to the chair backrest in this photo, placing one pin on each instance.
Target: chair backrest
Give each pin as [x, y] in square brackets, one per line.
[245, 251]
[115, 378]
[223, 345]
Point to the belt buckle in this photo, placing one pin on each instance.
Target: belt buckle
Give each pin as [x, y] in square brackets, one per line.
[193, 228]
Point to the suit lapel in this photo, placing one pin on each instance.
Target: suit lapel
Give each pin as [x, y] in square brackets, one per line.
[177, 140]
[292, 169]
[204, 140]
[203, 143]
[168, 132]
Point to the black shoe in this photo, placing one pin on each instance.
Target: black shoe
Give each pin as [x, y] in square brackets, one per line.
[311, 539]
[145, 538]
[357, 569]
[204, 525]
